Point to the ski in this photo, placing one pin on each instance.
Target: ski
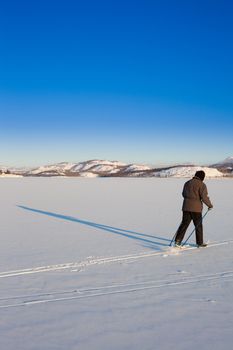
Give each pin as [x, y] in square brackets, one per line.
[194, 246]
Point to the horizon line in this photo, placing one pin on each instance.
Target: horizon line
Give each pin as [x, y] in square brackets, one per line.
[153, 165]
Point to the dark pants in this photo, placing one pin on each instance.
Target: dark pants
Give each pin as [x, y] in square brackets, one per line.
[189, 216]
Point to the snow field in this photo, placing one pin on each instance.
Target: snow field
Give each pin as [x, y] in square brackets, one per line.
[85, 264]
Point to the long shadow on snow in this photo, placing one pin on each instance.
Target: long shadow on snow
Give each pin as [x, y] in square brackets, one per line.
[115, 230]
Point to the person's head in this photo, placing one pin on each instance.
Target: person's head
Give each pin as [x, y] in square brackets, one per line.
[200, 174]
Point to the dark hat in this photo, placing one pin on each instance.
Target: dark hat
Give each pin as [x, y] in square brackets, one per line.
[200, 174]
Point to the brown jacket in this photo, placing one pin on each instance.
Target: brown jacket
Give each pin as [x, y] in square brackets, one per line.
[195, 194]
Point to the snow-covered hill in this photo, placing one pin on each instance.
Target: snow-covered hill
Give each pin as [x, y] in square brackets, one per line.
[91, 168]
[228, 160]
[106, 168]
[4, 172]
[225, 166]
[58, 169]
[187, 171]
[9, 175]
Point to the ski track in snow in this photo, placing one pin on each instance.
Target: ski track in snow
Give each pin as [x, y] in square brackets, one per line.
[98, 291]
[98, 261]
[43, 298]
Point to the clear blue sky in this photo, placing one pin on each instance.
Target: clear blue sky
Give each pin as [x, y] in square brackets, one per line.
[138, 81]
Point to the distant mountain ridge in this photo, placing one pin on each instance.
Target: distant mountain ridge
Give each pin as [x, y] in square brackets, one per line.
[90, 168]
[225, 166]
[105, 168]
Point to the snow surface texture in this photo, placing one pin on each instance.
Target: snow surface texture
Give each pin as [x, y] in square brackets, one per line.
[85, 265]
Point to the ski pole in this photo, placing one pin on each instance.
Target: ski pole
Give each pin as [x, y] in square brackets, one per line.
[173, 239]
[195, 227]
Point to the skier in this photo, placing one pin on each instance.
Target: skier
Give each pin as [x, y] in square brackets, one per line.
[195, 194]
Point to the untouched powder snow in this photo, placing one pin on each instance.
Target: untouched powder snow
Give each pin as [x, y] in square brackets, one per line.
[85, 264]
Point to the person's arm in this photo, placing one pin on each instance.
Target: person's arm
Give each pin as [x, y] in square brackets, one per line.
[204, 196]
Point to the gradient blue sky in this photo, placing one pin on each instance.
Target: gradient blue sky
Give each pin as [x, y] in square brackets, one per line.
[138, 81]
